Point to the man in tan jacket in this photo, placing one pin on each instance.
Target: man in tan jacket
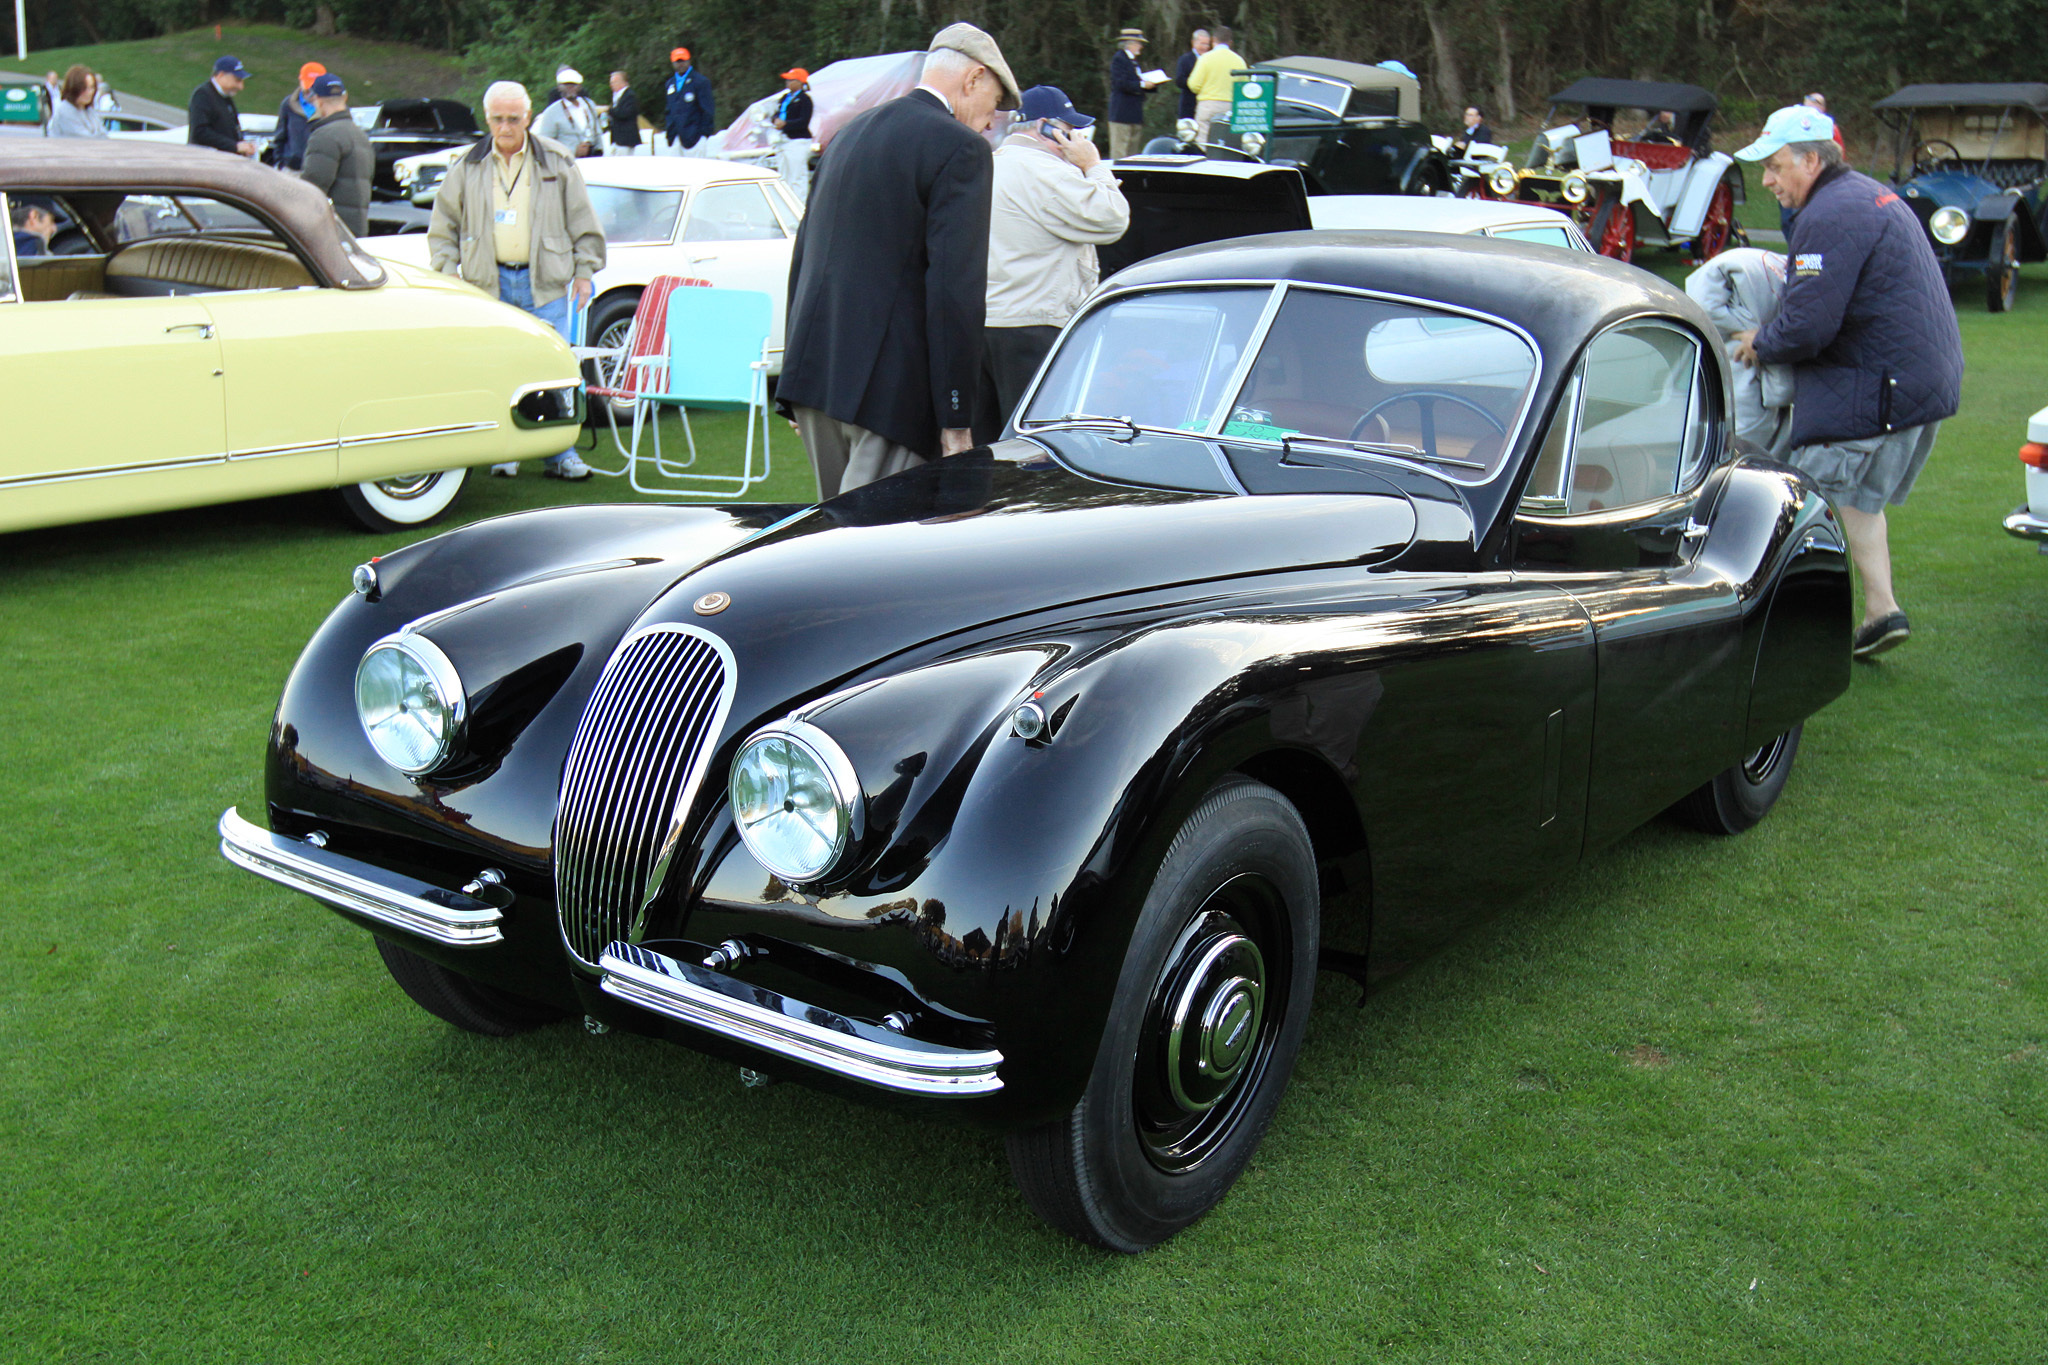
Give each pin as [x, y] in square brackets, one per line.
[1055, 202]
[514, 219]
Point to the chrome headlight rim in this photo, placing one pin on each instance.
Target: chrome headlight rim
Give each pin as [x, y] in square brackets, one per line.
[447, 682]
[1576, 189]
[1502, 180]
[840, 777]
[1949, 225]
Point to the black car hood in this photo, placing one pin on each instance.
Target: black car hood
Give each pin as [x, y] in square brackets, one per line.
[975, 540]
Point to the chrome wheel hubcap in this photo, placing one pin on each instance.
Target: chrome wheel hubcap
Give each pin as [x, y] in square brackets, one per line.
[1213, 1019]
[405, 486]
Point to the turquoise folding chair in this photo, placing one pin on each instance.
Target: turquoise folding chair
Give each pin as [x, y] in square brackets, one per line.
[716, 360]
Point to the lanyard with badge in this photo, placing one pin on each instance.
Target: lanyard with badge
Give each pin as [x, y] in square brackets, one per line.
[508, 216]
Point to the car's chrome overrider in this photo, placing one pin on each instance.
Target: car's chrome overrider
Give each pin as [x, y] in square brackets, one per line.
[432, 912]
[766, 1019]
[2023, 523]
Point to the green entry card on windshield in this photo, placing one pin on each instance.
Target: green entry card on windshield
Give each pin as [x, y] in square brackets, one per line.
[1258, 431]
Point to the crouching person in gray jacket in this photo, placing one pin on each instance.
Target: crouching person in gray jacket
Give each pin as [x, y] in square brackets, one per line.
[1868, 329]
[1055, 201]
[339, 159]
[514, 219]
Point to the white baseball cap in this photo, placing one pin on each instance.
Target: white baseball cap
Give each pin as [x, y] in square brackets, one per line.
[1794, 123]
[568, 75]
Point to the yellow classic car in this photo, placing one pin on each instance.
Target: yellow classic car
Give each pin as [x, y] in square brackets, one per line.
[201, 329]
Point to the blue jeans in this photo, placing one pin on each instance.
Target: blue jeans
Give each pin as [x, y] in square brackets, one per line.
[515, 286]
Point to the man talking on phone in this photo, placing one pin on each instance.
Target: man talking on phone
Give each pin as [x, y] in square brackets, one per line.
[1055, 202]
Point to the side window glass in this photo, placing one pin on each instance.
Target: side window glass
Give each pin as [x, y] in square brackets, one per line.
[731, 213]
[1637, 418]
[9, 292]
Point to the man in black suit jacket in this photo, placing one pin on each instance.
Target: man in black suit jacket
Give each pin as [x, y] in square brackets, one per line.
[889, 272]
[624, 119]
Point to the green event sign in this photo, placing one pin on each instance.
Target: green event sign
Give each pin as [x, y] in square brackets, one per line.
[1251, 101]
[21, 104]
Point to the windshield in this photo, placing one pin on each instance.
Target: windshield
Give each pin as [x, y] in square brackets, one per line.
[1380, 378]
[1314, 93]
[629, 216]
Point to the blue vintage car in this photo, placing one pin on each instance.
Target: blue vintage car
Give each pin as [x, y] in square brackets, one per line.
[1972, 160]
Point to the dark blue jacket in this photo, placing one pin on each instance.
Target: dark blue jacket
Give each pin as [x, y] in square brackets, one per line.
[1866, 322]
[211, 119]
[1181, 71]
[690, 115]
[1126, 89]
[294, 121]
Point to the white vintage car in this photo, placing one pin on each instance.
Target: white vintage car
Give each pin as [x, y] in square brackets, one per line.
[722, 221]
[2030, 520]
[1404, 213]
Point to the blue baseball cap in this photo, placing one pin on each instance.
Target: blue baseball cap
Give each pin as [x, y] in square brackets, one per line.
[328, 85]
[230, 66]
[1794, 123]
[1049, 101]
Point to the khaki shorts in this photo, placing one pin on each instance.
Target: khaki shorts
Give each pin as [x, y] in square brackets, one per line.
[1871, 473]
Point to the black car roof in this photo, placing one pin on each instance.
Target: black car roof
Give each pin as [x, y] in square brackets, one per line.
[1604, 92]
[2034, 97]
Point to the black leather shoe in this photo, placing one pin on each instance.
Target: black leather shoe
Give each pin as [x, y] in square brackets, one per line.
[1880, 635]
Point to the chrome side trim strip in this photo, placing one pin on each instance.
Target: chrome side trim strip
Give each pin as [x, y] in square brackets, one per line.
[2023, 523]
[236, 456]
[790, 1028]
[416, 434]
[346, 884]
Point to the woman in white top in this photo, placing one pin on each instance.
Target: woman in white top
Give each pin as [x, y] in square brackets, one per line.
[74, 116]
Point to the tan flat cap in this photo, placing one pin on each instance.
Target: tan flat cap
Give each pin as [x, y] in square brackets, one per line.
[972, 42]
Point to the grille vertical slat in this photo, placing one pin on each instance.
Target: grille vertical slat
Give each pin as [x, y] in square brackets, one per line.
[634, 767]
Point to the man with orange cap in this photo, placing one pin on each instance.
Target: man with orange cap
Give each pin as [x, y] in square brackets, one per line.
[294, 119]
[689, 116]
[792, 118]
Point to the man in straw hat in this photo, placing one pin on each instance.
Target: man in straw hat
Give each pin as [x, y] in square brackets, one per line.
[1127, 91]
[887, 278]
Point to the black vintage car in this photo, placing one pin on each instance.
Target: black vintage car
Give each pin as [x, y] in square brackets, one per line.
[1972, 162]
[408, 127]
[1350, 128]
[1328, 588]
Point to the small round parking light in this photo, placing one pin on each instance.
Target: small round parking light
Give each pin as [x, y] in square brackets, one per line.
[1949, 225]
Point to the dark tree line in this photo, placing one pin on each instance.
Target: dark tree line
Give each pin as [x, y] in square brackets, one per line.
[1505, 55]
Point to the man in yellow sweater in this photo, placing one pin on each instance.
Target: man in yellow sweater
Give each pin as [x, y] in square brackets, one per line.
[1211, 84]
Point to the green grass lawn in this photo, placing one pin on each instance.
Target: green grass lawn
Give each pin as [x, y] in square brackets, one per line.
[1777, 1097]
[169, 68]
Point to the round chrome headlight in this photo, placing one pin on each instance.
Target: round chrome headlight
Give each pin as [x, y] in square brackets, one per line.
[1949, 225]
[1254, 143]
[1501, 180]
[409, 699]
[795, 799]
[1575, 189]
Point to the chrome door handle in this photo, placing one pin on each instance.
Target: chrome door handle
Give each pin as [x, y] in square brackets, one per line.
[1693, 530]
[205, 329]
[699, 260]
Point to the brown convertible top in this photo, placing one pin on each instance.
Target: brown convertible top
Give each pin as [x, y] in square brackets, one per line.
[61, 165]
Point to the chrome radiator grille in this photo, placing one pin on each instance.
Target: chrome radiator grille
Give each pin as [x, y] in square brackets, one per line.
[638, 757]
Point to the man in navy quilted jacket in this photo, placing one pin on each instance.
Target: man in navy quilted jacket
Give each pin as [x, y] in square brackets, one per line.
[1867, 326]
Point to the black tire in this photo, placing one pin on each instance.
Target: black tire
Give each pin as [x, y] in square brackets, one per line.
[1743, 794]
[462, 1002]
[611, 315]
[405, 500]
[1227, 937]
[2002, 280]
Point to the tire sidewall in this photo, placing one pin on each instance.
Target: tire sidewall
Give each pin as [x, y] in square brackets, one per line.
[1239, 829]
[1744, 802]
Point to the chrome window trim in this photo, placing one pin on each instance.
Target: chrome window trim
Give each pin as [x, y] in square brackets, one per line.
[1253, 344]
[1283, 287]
[10, 281]
[1683, 489]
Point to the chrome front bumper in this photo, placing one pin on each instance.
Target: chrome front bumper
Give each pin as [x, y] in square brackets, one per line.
[2024, 524]
[790, 1028]
[402, 902]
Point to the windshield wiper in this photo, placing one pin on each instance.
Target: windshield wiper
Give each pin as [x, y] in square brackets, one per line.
[1083, 419]
[1399, 452]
